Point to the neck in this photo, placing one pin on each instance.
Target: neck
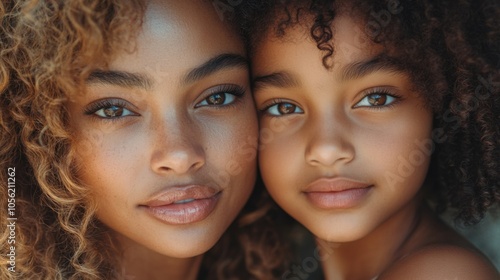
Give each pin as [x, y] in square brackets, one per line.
[139, 262]
[368, 257]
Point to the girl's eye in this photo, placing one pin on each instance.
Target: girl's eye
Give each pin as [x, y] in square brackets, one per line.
[113, 112]
[283, 108]
[376, 100]
[218, 99]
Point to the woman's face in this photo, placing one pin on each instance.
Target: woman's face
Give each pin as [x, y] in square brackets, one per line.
[166, 137]
[343, 150]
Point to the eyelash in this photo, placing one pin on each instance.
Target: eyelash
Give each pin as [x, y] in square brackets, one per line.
[380, 91]
[273, 102]
[93, 108]
[373, 91]
[236, 91]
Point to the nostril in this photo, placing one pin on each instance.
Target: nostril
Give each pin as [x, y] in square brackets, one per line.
[182, 159]
[328, 153]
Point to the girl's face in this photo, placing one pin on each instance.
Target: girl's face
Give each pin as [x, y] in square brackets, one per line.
[166, 137]
[342, 150]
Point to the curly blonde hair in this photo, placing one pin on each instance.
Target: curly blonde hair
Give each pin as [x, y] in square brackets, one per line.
[48, 49]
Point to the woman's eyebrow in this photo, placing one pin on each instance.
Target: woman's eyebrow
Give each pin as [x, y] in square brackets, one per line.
[129, 80]
[215, 64]
[362, 68]
[120, 78]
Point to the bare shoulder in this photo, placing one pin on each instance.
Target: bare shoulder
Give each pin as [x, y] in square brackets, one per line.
[442, 262]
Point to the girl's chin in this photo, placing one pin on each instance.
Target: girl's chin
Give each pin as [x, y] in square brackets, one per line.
[332, 235]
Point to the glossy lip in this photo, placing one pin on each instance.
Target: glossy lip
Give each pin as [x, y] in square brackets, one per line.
[183, 204]
[336, 193]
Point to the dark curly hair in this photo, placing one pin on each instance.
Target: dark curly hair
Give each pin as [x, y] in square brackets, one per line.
[452, 52]
[48, 49]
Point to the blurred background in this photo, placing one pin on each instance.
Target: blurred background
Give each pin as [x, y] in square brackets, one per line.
[485, 235]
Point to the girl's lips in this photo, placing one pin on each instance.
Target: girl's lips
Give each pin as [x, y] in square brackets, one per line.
[336, 193]
[337, 200]
[183, 205]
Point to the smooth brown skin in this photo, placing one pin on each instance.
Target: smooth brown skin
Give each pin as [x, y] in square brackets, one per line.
[168, 136]
[333, 132]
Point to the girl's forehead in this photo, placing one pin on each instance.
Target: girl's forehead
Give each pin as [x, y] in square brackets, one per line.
[350, 39]
[349, 43]
[348, 33]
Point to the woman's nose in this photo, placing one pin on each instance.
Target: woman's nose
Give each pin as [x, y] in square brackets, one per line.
[178, 148]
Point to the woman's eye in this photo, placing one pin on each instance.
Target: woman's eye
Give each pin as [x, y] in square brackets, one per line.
[283, 108]
[113, 111]
[376, 100]
[218, 99]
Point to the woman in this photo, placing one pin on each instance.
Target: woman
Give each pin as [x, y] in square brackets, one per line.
[133, 135]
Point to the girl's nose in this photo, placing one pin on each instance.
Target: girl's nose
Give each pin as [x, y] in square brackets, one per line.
[328, 143]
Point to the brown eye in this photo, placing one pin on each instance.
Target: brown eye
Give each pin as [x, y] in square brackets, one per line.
[109, 109]
[283, 108]
[113, 112]
[220, 99]
[216, 99]
[286, 108]
[377, 99]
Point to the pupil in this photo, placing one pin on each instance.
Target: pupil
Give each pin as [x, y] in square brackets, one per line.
[286, 108]
[216, 99]
[113, 111]
[377, 99]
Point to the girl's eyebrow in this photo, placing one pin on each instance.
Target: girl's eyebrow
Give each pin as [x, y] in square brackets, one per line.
[281, 79]
[381, 62]
[352, 71]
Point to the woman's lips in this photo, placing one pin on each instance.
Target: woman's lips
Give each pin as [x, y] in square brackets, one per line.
[336, 193]
[183, 205]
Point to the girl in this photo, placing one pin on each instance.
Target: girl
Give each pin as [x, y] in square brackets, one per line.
[369, 110]
[131, 134]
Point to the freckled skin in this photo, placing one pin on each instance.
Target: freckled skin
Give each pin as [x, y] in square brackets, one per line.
[334, 132]
[167, 136]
